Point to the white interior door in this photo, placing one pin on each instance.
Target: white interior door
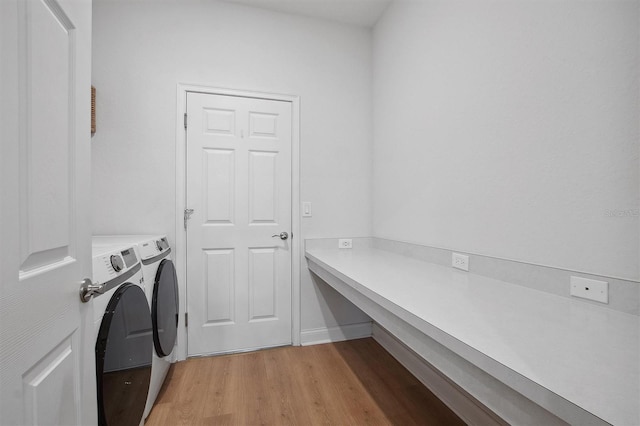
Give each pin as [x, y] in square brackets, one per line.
[46, 375]
[239, 186]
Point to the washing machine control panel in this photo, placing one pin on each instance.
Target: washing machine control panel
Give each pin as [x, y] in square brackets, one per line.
[129, 257]
[117, 263]
[109, 264]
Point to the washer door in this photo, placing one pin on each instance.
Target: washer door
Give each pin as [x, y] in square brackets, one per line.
[123, 357]
[164, 308]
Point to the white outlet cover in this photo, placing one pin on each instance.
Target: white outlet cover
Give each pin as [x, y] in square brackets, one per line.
[345, 243]
[590, 289]
[460, 261]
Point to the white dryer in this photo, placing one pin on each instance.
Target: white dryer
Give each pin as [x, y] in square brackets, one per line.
[161, 285]
[122, 330]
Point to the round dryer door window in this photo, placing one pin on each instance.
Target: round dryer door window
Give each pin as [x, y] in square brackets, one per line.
[123, 357]
[164, 308]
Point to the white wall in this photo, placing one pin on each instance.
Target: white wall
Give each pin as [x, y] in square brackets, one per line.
[510, 128]
[141, 50]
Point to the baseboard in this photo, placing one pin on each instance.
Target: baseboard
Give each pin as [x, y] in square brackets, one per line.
[335, 334]
[460, 402]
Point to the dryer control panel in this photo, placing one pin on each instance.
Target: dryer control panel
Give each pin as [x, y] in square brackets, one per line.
[109, 264]
[153, 247]
[162, 244]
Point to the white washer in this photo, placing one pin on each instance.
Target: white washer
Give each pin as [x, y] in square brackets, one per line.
[122, 331]
[161, 285]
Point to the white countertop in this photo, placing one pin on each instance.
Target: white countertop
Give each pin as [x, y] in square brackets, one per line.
[586, 354]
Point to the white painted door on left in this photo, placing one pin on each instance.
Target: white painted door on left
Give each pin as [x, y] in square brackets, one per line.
[47, 375]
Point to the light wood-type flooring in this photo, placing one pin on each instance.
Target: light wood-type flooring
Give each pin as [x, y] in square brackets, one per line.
[347, 383]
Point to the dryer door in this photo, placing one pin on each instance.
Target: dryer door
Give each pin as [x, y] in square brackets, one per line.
[164, 308]
[123, 357]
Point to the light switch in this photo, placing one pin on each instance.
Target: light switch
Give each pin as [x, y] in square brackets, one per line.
[306, 209]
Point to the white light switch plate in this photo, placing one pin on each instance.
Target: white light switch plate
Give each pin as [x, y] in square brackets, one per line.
[306, 209]
[590, 289]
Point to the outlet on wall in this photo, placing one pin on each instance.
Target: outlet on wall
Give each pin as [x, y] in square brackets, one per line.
[590, 289]
[345, 243]
[460, 261]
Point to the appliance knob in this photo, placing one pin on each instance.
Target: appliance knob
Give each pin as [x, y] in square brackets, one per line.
[159, 245]
[117, 263]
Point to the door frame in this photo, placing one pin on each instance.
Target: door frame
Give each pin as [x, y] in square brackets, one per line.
[181, 198]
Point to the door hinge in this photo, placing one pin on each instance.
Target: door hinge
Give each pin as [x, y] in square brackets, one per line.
[185, 120]
[186, 319]
[187, 216]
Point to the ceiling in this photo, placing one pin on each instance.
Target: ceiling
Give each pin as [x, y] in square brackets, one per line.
[364, 13]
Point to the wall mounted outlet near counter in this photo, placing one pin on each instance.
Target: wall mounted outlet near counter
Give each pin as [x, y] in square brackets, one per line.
[345, 243]
[590, 289]
[460, 261]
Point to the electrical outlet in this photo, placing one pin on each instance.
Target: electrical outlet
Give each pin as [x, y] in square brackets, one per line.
[460, 261]
[590, 289]
[345, 243]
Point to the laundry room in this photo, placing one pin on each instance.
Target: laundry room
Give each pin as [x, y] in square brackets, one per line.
[320, 211]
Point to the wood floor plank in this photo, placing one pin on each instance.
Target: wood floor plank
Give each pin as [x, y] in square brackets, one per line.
[190, 400]
[347, 383]
[289, 406]
[355, 404]
[308, 384]
[256, 407]
[398, 393]
[217, 405]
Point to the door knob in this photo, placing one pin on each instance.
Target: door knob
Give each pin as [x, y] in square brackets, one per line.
[88, 290]
[282, 235]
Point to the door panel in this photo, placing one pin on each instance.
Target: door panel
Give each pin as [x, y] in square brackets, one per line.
[46, 387]
[263, 291]
[218, 286]
[263, 125]
[220, 185]
[45, 197]
[46, 375]
[263, 187]
[239, 185]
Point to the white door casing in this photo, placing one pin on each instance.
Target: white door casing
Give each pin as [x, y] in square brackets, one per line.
[238, 183]
[46, 374]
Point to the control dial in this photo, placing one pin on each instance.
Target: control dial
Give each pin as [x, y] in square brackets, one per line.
[117, 263]
[162, 244]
